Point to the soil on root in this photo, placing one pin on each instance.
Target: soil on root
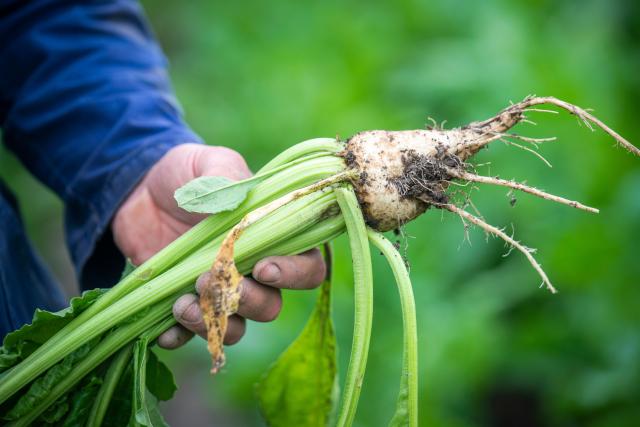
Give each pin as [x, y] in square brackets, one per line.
[352, 163]
[426, 178]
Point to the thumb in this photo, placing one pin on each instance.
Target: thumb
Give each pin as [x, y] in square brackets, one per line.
[186, 162]
[220, 161]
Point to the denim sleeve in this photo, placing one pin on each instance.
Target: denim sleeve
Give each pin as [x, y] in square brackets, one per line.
[86, 105]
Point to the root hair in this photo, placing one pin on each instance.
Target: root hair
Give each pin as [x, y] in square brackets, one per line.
[501, 234]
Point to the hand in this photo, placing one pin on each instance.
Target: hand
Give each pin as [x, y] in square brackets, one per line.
[150, 219]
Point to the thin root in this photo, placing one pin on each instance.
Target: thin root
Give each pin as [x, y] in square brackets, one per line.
[514, 114]
[522, 147]
[579, 112]
[518, 186]
[525, 138]
[501, 234]
[540, 110]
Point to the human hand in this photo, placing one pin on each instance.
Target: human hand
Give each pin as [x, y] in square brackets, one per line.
[150, 219]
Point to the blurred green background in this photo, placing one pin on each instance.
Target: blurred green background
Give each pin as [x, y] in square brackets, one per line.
[495, 350]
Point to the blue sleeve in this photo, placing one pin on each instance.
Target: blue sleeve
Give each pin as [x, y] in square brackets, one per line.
[86, 105]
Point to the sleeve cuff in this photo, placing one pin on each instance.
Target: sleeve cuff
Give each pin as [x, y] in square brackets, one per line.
[98, 261]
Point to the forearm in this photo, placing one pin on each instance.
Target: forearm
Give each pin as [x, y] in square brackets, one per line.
[86, 105]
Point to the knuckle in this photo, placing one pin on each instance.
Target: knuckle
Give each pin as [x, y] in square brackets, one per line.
[319, 274]
[245, 291]
[234, 160]
[268, 271]
[189, 315]
[310, 271]
[291, 272]
[192, 313]
[182, 304]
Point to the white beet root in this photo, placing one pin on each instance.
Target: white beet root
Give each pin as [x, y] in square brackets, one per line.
[402, 173]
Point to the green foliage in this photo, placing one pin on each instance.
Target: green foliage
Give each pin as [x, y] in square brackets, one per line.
[82, 401]
[152, 381]
[301, 387]
[119, 411]
[22, 342]
[159, 380]
[41, 387]
[55, 412]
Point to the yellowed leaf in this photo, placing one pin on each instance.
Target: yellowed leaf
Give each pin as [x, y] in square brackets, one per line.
[219, 299]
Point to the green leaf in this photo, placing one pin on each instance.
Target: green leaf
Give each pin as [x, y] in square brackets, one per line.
[41, 387]
[145, 404]
[55, 412]
[160, 381]
[115, 368]
[81, 402]
[22, 342]
[152, 415]
[301, 387]
[213, 194]
[8, 358]
[119, 410]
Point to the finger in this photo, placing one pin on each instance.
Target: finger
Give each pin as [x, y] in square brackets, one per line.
[304, 271]
[182, 164]
[220, 161]
[187, 312]
[257, 302]
[174, 337]
[235, 329]
[217, 161]
[202, 281]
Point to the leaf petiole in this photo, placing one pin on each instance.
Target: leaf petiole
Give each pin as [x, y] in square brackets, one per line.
[407, 405]
[363, 302]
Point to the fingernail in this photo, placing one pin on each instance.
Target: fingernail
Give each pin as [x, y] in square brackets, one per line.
[270, 273]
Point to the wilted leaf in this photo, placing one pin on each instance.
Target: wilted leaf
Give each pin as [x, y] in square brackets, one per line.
[301, 387]
[213, 194]
[219, 298]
